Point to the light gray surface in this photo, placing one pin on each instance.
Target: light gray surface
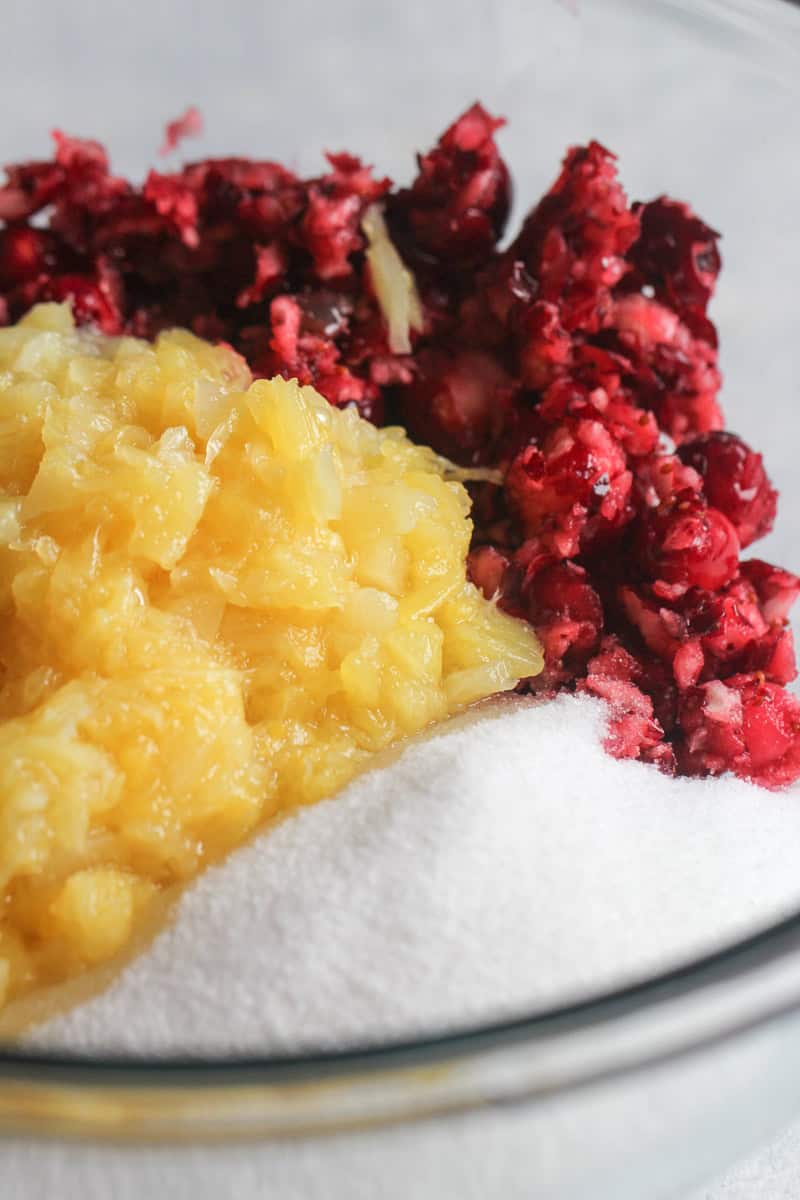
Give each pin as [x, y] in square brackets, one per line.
[283, 79]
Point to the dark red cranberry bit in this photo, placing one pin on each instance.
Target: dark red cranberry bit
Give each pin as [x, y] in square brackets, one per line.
[574, 242]
[662, 629]
[457, 207]
[25, 255]
[89, 190]
[331, 226]
[567, 614]
[269, 267]
[458, 403]
[29, 188]
[506, 288]
[687, 544]
[676, 254]
[544, 346]
[734, 481]
[710, 718]
[188, 124]
[591, 387]
[177, 204]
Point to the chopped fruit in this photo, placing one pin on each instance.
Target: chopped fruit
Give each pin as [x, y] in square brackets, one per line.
[745, 724]
[578, 366]
[633, 730]
[676, 256]
[688, 545]
[190, 124]
[575, 486]
[459, 402]
[574, 242]
[566, 613]
[457, 207]
[734, 481]
[392, 283]
[220, 597]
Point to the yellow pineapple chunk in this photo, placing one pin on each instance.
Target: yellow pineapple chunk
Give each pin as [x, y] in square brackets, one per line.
[219, 598]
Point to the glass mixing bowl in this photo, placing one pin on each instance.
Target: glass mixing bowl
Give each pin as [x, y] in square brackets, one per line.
[647, 1089]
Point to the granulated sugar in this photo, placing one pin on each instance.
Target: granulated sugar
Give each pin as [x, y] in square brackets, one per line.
[496, 867]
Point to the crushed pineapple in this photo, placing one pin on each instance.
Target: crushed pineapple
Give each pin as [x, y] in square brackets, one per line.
[219, 598]
[392, 282]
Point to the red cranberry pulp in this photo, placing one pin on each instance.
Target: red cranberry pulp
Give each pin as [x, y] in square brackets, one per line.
[580, 363]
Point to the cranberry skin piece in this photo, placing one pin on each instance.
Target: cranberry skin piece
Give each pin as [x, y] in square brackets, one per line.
[777, 589]
[459, 403]
[25, 254]
[676, 254]
[457, 207]
[672, 371]
[579, 463]
[486, 567]
[734, 481]
[189, 124]
[566, 612]
[614, 675]
[544, 346]
[689, 545]
[89, 299]
[574, 241]
[745, 725]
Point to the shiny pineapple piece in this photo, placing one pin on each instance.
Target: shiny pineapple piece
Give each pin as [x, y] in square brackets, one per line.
[219, 599]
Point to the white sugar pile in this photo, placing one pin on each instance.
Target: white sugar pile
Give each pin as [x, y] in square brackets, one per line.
[497, 867]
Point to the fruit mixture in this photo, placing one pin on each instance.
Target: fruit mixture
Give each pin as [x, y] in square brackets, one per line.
[580, 364]
[220, 597]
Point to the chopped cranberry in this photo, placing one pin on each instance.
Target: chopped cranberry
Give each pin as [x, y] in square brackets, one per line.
[457, 402]
[90, 299]
[672, 371]
[570, 488]
[688, 544]
[707, 635]
[457, 207]
[567, 614]
[25, 255]
[331, 225]
[486, 567]
[734, 481]
[545, 347]
[633, 730]
[189, 124]
[746, 725]
[777, 589]
[676, 255]
[580, 364]
[575, 241]
[663, 478]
